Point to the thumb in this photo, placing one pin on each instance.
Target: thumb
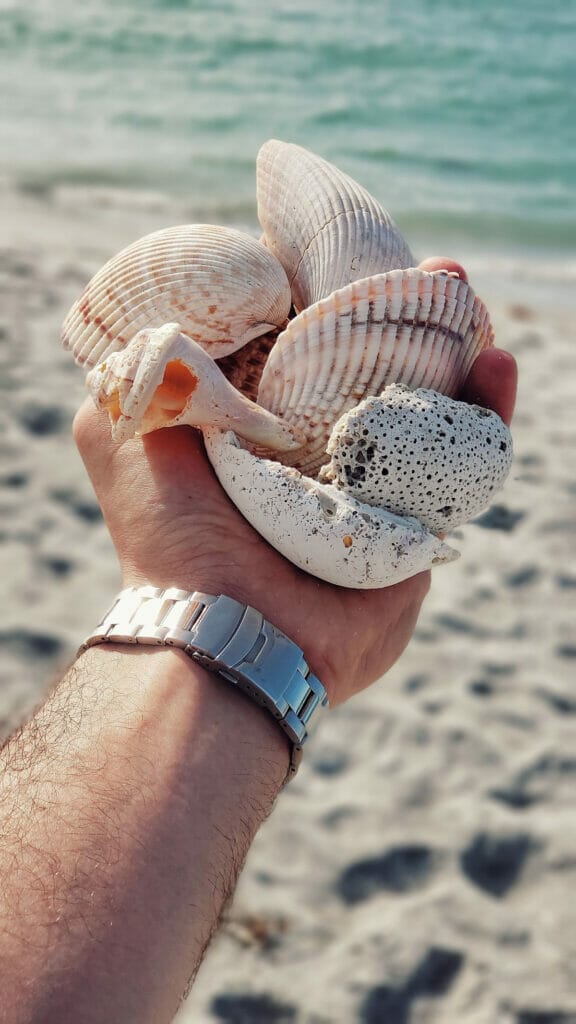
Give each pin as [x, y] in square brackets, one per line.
[164, 462]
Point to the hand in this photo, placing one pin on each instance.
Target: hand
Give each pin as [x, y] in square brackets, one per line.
[173, 525]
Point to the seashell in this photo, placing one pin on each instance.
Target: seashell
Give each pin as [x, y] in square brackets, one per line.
[363, 379]
[325, 229]
[224, 286]
[408, 326]
[447, 459]
[319, 528]
[163, 379]
[244, 367]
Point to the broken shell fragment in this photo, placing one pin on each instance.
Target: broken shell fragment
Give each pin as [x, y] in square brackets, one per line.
[319, 528]
[164, 379]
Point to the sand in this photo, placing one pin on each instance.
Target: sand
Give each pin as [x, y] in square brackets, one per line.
[422, 866]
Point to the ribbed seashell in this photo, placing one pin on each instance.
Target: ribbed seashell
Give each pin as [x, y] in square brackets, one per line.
[325, 229]
[224, 287]
[369, 328]
[407, 327]
[244, 367]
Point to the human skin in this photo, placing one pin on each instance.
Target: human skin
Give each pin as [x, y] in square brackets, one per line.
[129, 801]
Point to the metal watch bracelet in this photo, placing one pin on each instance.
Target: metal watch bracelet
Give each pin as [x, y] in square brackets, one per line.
[228, 638]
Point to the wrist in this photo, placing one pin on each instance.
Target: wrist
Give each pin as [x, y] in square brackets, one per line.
[175, 706]
[275, 592]
[228, 638]
[206, 575]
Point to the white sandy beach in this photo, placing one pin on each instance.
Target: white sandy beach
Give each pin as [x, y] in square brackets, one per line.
[422, 866]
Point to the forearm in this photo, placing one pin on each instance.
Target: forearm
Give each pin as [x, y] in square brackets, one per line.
[127, 807]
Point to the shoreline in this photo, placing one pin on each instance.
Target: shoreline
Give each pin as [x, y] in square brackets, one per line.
[121, 212]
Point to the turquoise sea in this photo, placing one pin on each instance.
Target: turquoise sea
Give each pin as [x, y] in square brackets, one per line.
[461, 118]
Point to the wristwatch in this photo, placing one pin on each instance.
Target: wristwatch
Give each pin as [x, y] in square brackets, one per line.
[228, 638]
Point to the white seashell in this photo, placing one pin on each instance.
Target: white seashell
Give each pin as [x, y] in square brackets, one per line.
[325, 229]
[223, 286]
[370, 328]
[420, 453]
[164, 379]
[407, 326]
[319, 528]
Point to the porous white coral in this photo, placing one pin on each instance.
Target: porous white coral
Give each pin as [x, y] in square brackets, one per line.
[420, 453]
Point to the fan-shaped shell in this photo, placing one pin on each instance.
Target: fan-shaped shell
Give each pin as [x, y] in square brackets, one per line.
[407, 326]
[224, 287]
[325, 229]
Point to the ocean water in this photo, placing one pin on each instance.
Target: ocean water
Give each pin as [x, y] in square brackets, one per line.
[460, 118]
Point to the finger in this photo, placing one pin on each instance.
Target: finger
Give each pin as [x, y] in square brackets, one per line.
[170, 454]
[92, 434]
[492, 382]
[105, 459]
[178, 453]
[433, 264]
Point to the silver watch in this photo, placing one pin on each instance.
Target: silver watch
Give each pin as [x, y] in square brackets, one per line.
[228, 638]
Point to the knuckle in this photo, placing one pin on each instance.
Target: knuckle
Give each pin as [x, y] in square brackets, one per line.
[81, 426]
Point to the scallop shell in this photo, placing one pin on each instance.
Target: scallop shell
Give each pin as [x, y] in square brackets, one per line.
[223, 286]
[407, 326]
[325, 229]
